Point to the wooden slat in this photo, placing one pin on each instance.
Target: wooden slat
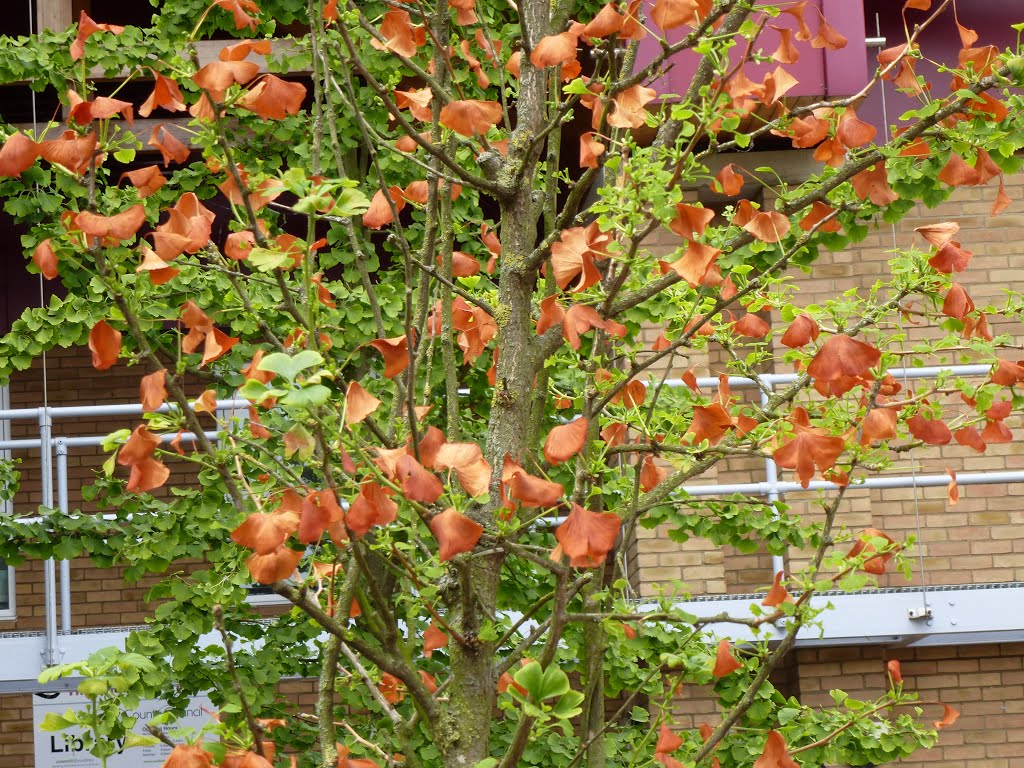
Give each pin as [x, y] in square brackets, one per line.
[55, 15]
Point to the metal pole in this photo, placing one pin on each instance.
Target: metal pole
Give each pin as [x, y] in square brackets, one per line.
[65, 508]
[771, 475]
[50, 653]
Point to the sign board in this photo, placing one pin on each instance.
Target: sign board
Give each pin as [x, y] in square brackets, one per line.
[64, 750]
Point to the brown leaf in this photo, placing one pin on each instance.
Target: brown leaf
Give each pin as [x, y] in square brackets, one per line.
[669, 14]
[72, 151]
[951, 258]
[565, 441]
[809, 448]
[587, 537]
[165, 95]
[240, 10]
[554, 50]
[938, 234]
[105, 345]
[263, 532]
[455, 533]
[590, 149]
[470, 467]
[382, 212]
[709, 423]
[969, 437]
[879, 424]
[607, 22]
[690, 220]
[217, 76]
[188, 756]
[696, 264]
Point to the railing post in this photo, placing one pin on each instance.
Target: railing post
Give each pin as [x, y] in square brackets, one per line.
[51, 653]
[771, 476]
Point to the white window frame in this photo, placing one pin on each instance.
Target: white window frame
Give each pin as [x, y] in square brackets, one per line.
[10, 612]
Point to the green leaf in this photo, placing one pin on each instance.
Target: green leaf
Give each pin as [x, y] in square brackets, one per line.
[289, 366]
[55, 722]
[307, 397]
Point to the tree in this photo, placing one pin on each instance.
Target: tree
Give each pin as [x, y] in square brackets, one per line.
[431, 288]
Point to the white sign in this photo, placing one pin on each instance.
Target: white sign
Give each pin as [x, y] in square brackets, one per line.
[63, 749]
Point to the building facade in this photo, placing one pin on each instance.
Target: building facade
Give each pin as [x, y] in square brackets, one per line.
[957, 627]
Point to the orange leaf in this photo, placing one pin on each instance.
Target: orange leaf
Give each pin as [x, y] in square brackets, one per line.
[165, 95]
[690, 220]
[669, 14]
[852, 131]
[728, 182]
[169, 145]
[418, 104]
[949, 716]
[400, 35]
[629, 107]
[18, 154]
[709, 423]
[778, 594]
[319, 511]
[118, 227]
[1002, 201]
[697, 264]
[892, 669]
[217, 344]
[382, 212]
[951, 258]
[873, 184]
[1007, 374]
[725, 662]
[455, 533]
[188, 756]
[275, 566]
[930, 431]
[843, 356]
[238, 245]
[470, 467]
[879, 424]
[969, 437]
[45, 259]
[751, 326]
[105, 345]
[263, 532]
[572, 258]
[433, 639]
[952, 491]
[587, 537]
[395, 352]
[651, 475]
[273, 98]
[875, 563]
[74, 152]
[138, 448]
[819, 211]
[938, 234]
[801, 332]
[786, 53]
[590, 148]
[532, 491]
[147, 476]
[358, 403]
[418, 483]
[775, 754]
[809, 448]
[607, 22]
[471, 116]
[667, 741]
[146, 180]
[957, 303]
[152, 392]
[86, 29]
[217, 76]
[565, 441]
[372, 506]
[554, 50]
